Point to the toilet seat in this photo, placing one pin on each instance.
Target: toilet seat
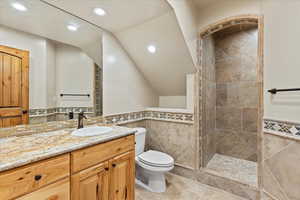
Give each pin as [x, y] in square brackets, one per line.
[156, 159]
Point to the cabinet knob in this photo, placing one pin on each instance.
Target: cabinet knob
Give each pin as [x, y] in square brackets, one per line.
[113, 165]
[106, 168]
[37, 177]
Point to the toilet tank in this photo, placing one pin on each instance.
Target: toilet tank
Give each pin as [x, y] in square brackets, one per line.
[140, 138]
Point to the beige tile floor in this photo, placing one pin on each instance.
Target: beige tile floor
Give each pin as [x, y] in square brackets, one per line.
[180, 188]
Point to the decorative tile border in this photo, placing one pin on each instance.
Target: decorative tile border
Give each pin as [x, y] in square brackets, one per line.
[228, 22]
[58, 110]
[118, 119]
[124, 118]
[163, 115]
[285, 128]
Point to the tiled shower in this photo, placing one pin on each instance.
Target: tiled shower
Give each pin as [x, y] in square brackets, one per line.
[230, 102]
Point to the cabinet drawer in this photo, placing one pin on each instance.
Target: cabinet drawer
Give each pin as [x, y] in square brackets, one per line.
[55, 191]
[90, 156]
[16, 182]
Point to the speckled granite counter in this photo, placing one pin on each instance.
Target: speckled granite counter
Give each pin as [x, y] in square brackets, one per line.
[17, 151]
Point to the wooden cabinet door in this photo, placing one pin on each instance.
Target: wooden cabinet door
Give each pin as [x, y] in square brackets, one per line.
[122, 177]
[14, 87]
[56, 191]
[91, 184]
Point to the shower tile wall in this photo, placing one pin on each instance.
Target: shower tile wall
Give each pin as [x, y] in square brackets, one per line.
[237, 94]
[209, 100]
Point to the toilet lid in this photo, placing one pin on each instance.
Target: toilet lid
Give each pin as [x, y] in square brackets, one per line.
[156, 158]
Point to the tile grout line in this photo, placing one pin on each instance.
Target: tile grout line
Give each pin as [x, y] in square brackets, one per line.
[281, 189]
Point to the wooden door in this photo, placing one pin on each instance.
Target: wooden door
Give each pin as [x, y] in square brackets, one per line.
[122, 177]
[56, 191]
[91, 184]
[14, 105]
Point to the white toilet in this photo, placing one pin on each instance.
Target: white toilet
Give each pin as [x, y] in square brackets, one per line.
[151, 166]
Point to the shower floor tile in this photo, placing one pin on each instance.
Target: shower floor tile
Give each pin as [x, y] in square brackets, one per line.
[180, 188]
[243, 171]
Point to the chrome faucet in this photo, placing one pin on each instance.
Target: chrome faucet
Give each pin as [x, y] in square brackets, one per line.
[81, 116]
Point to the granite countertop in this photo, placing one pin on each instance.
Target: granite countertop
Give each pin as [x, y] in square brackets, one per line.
[17, 151]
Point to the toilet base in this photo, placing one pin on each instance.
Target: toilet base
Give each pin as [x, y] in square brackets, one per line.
[151, 181]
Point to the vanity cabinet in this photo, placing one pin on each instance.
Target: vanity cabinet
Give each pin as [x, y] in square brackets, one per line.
[101, 172]
[112, 179]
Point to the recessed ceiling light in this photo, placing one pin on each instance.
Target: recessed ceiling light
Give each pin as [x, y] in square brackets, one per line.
[72, 27]
[151, 48]
[19, 6]
[99, 11]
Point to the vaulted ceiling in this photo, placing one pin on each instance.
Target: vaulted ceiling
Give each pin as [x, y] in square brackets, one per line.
[48, 22]
[121, 14]
[166, 68]
[136, 23]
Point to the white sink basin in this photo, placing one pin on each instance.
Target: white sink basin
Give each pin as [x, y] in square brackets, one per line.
[91, 131]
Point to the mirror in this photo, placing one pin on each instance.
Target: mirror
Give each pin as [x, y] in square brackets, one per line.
[50, 64]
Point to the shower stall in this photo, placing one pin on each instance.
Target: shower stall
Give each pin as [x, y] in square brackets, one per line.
[230, 103]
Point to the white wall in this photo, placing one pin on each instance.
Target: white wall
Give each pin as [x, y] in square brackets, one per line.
[190, 91]
[51, 74]
[172, 102]
[75, 75]
[282, 63]
[124, 87]
[37, 63]
[186, 13]
[221, 9]
[183, 102]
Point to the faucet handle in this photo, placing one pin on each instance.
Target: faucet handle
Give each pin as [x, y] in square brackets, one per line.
[82, 115]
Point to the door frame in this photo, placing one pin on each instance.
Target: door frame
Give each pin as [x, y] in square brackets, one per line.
[24, 56]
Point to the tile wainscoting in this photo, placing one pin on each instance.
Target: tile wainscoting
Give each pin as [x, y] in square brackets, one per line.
[169, 132]
[173, 138]
[281, 160]
[281, 170]
[43, 115]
